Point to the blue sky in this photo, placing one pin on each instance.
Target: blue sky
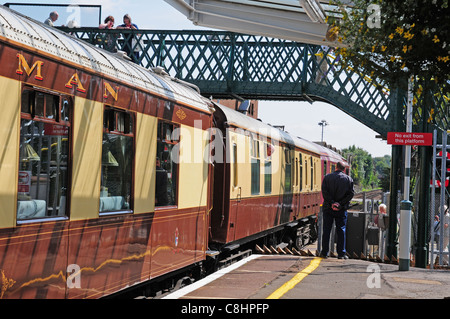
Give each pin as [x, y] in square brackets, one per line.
[299, 118]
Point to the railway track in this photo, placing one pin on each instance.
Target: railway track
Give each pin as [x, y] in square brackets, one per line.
[373, 194]
[280, 250]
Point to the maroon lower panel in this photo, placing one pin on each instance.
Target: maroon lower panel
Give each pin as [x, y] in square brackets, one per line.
[253, 215]
[93, 258]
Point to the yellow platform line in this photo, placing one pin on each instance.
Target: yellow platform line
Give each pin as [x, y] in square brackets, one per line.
[280, 292]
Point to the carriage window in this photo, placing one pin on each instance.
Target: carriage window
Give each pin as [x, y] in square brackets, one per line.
[312, 173]
[117, 161]
[306, 170]
[166, 165]
[269, 149]
[288, 170]
[300, 160]
[43, 179]
[235, 165]
[255, 167]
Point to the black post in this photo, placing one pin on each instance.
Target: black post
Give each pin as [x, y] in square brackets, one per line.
[423, 218]
[397, 120]
[396, 161]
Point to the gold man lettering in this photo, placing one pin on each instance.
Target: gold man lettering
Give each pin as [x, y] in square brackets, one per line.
[110, 89]
[23, 65]
[75, 80]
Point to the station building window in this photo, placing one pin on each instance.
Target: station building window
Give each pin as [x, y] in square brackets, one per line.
[167, 164]
[117, 161]
[44, 157]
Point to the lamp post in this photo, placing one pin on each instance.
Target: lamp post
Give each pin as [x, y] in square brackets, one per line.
[323, 123]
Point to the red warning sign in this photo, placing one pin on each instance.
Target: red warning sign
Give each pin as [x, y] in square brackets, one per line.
[402, 138]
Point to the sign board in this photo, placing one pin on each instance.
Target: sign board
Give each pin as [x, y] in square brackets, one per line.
[56, 130]
[24, 182]
[402, 138]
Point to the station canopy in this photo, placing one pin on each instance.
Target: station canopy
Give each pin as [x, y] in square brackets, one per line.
[296, 20]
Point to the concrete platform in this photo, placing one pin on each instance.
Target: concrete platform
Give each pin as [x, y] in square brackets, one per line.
[259, 276]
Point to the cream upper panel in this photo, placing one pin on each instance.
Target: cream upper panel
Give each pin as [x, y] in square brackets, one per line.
[193, 167]
[10, 91]
[87, 156]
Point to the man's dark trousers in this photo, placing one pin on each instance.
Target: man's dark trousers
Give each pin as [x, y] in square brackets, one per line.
[340, 218]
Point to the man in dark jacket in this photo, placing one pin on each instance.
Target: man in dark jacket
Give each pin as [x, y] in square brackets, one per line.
[337, 192]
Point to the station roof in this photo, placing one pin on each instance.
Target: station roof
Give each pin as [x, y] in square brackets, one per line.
[296, 20]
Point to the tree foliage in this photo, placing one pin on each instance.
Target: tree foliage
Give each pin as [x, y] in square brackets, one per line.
[368, 172]
[410, 38]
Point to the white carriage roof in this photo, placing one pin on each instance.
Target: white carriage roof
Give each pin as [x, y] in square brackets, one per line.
[332, 155]
[239, 120]
[24, 30]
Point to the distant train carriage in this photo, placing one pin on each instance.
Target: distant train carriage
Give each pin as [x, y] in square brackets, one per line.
[329, 159]
[266, 180]
[81, 131]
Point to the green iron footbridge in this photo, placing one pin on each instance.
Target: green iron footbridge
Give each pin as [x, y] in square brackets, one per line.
[238, 66]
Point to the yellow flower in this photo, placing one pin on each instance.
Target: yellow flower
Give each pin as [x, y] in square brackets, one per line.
[391, 36]
[405, 48]
[383, 48]
[415, 101]
[373, 49]
[436, 39]
[399, 30]
[408, 35]
[431, 116]
[393, 58]
[446, 59]
[419, 91]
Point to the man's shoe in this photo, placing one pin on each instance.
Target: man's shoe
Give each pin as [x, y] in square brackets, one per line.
[343, 257]
[323, 256]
